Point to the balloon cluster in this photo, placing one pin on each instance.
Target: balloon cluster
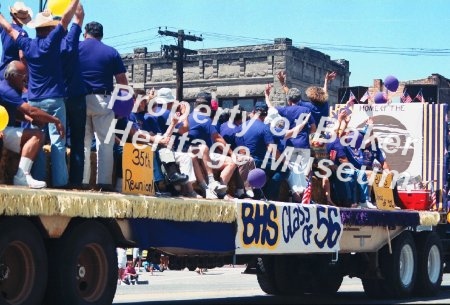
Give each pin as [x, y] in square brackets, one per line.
[4, 118]
[391, 83]
[58, 7]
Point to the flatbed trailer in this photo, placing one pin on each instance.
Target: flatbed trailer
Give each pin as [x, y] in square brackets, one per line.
[61, 245]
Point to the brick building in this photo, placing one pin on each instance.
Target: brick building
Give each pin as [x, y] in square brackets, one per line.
[238, 75]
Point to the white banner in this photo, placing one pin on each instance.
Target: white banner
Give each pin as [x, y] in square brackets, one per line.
[280, 228]
[399, 127]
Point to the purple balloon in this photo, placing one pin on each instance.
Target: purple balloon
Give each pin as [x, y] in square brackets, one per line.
[391, 83]
[256, 178]
[123, 108]
[380, 98]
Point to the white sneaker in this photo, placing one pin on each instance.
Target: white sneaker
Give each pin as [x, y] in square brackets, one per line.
[367, 205]
[250, 193]
[210, 194]
[27, 180]
[217, 187]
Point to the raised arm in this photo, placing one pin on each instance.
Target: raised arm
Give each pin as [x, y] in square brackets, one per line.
[79, 15]
[8, 28]
[267, 95]
[328, 78]
[68, 14]
[282, 79]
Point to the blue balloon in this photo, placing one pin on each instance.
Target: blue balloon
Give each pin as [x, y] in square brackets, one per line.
[256, 178]
[122, 108]
[380, 98]
[391, 83]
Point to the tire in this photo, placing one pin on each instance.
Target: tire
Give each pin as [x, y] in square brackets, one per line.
[373, 288]
[285, 276]
[324, 278]
[23, 263]
[86, 272]
[399, 269]
[327, 284]
[429, 264]
[265, 273]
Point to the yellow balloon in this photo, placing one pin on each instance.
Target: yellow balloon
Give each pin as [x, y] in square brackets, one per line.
[4, 118]
[58, 7]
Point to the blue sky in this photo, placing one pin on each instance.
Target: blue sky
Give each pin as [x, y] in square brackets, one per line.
[407, 39]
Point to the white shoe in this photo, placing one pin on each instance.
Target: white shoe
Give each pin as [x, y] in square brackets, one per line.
[250, 193]
[367, 205]
[210, 194]
[27, 180]
[217, 187]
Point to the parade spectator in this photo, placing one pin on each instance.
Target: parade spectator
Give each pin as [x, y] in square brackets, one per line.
[27, 142]
[75, 99]
[99, 65]
[46, 82]
[21, 15]
[130, 275]
[121, 263]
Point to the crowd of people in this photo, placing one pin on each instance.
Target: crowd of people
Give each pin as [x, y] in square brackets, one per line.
[55, 84]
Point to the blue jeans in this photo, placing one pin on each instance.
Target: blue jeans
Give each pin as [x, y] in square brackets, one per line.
[273, 179]
[76, 124]
[56, 108]
[351, 191]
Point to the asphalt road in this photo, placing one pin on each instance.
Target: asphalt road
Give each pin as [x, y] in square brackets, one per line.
[229, 286]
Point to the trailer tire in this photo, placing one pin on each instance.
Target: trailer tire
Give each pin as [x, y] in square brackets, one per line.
[429, 264]
[399, 268]
[326, 284]
[373, 288]
[87, 266]
[265, 273]
[23, 263]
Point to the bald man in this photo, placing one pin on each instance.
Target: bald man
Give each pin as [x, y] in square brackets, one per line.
[25, 141]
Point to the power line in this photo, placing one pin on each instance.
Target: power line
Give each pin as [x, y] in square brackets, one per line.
[384, 50]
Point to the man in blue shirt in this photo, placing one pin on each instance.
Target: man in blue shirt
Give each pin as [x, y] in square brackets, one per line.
[228, 130]
[21, 15]
[27, 142]
[99, 65]
[46, 82]
[260, 142]
[75, 100]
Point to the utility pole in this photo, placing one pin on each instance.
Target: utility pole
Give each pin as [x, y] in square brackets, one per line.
[42, 4]
[179, 54]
